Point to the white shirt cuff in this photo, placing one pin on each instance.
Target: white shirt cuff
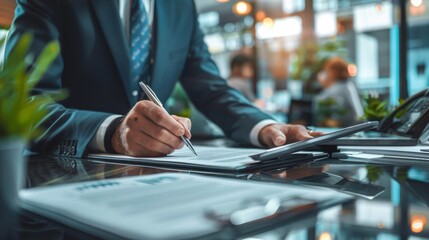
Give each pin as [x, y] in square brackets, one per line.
[97, 142]
[254, 134]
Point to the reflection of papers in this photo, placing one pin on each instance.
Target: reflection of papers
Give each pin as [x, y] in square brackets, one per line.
[165, 206]
[375, 214]
[220, 157]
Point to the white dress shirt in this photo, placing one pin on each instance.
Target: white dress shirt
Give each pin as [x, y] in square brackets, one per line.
[97, 143]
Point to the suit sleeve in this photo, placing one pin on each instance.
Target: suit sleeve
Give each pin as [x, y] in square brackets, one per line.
[210, 93]
[65, 131]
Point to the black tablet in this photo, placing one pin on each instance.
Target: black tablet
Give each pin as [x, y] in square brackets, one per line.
[277, 152]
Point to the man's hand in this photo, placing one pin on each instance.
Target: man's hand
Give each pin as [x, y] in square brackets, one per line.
[149, 131]
[275, 135]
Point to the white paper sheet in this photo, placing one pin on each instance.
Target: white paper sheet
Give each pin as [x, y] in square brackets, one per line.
[418, 152]
[221, 157]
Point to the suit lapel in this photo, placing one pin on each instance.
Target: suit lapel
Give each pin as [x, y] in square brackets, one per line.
[162, 32]
[108, 18]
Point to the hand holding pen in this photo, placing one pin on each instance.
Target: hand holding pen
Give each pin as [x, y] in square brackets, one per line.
[152, 96]
[149, 131]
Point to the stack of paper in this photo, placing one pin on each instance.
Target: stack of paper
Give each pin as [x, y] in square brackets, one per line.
[396, 155]
[213, 159]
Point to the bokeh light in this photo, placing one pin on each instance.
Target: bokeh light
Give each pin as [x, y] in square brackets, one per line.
[325, 236]
[242, 8]
[417, 223]
[269, 22]
[416, 3]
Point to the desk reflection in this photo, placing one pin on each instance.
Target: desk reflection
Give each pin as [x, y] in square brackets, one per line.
[389, 200]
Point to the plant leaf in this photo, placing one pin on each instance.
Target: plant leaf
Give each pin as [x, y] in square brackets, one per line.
[20, 113]
[48, 55]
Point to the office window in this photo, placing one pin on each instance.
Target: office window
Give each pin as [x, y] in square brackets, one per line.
[372, 24]
[323, 5]
[284, 27]
[325, 24]
[371, 17]
[418, 45]
[291, 6]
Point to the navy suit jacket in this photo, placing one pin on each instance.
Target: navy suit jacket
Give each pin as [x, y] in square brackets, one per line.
[94, 67]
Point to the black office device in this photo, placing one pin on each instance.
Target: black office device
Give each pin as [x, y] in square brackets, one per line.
[409, 119]
[403, 127]
[282, 151]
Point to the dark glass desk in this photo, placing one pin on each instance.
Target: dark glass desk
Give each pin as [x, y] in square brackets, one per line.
[390, 202]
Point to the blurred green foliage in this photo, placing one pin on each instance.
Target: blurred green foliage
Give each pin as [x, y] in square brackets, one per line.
[179, 103]
[373, 173]
[329, 110]
[401, 174]
[310, 57]
[376, 109]
[20, 111]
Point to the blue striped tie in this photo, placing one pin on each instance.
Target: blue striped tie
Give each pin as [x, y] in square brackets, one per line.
[140, 43]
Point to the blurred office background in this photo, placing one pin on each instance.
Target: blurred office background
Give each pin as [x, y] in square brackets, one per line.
[289, 40]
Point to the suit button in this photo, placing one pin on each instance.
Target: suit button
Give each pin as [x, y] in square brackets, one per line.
[134, 93]
[73, 150]
[151, 60]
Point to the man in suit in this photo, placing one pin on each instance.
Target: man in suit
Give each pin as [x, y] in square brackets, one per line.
[107, 47]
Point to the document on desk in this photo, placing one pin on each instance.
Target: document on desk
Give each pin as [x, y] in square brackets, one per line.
[208, 157]
[175, 206]
[419, 152]
[398, 155]
[239, 159]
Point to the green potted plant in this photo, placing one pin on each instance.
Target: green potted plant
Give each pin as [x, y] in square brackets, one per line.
[20, 113]
[376, 109]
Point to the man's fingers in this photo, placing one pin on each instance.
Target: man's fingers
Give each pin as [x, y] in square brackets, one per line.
[159, 133]
[305, 133]
[316, 134]
[186, 122]
[279, 134]
[160, 117]
[139, 151]
[280, 139]
[140, 143]
[148, 130]
[273, 137]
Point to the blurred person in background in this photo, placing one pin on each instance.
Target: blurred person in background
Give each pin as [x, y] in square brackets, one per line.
[242, 74]
[339, 104]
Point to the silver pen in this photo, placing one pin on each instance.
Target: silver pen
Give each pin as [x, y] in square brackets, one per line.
[152, 96]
